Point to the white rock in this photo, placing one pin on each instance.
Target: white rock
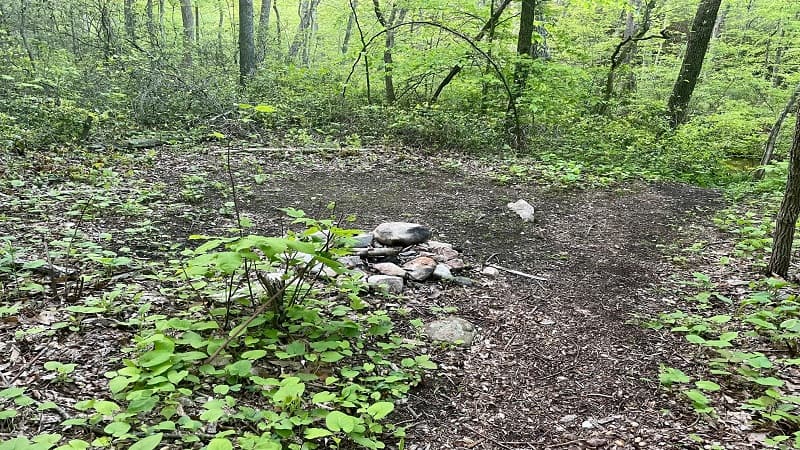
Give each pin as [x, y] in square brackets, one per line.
[490, 271]
[442, 272]
[451, 329]
[523, 209]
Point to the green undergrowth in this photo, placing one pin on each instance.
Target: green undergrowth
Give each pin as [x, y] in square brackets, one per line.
[745, 326]
[241, 340]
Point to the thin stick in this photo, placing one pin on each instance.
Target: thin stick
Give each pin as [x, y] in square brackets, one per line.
[517, 272]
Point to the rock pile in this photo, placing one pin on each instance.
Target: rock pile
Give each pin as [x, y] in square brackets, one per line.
[398, 252]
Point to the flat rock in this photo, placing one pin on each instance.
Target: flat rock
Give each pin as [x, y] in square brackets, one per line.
[443, 254]
[391, 284]
[463, 281]
[433, 245]
[351, 262]
[523, 209]
[419, 269]
[451, 329]
[442, 272]
[455, 264]
[401, 234]
[360, 240]
[388, 268]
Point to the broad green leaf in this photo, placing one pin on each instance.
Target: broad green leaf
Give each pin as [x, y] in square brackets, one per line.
[380, 410]
[768, 381]
[220, 444]
[316, 433]
[707, 385]
[339, 421]
[697, 397]
[148, 443]
[117, 428]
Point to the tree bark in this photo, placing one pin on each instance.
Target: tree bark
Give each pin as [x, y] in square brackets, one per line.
[263, 29]
[348, 31]
[301, 37]
[788, 212]
[524, 46]
[130, 19]
[187, 17]
[247, 50]
[150, 23]
[769, 148]
[388, 62]
[696, 47]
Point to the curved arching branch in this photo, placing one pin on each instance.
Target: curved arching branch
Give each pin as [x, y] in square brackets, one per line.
[512, 103]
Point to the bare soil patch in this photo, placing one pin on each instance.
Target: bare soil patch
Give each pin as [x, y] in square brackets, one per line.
[560, 363]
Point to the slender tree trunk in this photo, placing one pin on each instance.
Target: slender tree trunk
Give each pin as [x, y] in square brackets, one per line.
[196, 23]
[23, 33]
[187, 17]
[696, 47]
[456, 69]
[524, 46]
[388, 62]
[277, 23]
[130, 19]
[769, 148]
[777, 78]
[720, 22]
[788, 212]
[247, 53]
[220, 40]
[301, 37]
[161, 12]
[348, 31]
[263, 30]
[150, 23]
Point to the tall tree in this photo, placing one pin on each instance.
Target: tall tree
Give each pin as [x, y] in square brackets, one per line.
[187, 17]
[524, 45]
[247, 49]
[130, 19]
[699, 36]
[788, 213]
[306, 12]
[396, 16]
[348, 31]
[769, 147]
[263, 29]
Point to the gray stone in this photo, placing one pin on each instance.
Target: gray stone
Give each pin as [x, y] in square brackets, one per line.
[455, 264]
[360, 240]
[523, 209]
[433, 245]
[463, 281]
[351, 262]
[443, 254]
[442, 272]
[490, 271]
[401, 234]
[390, 269]
[388, 283]
[419, 269]
[451, 329]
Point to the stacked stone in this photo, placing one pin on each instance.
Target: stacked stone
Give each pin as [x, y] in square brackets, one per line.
[397, 252]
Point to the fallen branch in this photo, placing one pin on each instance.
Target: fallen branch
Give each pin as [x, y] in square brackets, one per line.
[382, 251]
[517, 272]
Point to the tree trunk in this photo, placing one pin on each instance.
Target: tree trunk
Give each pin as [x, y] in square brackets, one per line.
[247, 52]
[720, 22]
[456, 69]
[787, 214]
[348, 31]
[263, 29]
[277, 23]
[769, 148]
[150, 23]
[187, 17]
[696, 47]
[388, 62]
[524, 46]
[301, 37]
[130, 19]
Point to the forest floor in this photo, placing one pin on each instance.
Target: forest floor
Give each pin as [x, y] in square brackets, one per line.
[561, 363]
